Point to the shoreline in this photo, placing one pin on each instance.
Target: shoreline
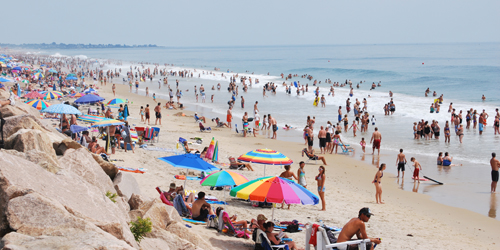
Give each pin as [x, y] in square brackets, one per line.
[427, 218]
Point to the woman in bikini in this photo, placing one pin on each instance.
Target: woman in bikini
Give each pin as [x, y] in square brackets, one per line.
[460, 132]
[336, 141]
[447, 132]
[378, 184]
[287, 174]
[354, 128]
[320, 178]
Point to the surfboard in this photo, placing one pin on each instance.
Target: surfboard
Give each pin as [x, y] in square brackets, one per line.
[315, 103]
[440, 183]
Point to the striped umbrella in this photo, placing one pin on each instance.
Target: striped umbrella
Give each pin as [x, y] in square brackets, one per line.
[33, 95]
[62, 109]
[49, 95]
[92, 118]
[215, 157]
[107, 123]
[210, 150]
[266, 157]
[222, 179]
[76, 95]
[116, 101]
[38, 104]
[38, 75]
[275, 189]
[25, 81]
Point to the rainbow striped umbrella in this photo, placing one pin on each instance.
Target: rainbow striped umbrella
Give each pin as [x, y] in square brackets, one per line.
[38, 75]
[116, 101]
[92, 118]
[215, 157]
[222, 179]
[76, 95]
[38, 104]
[107, 123]
[266, 157]
[52, 95]
[275, 189]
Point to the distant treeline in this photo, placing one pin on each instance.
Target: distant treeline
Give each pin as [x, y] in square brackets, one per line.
[73, 46]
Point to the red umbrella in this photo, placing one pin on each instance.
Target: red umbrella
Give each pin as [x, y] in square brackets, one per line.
[33, 95]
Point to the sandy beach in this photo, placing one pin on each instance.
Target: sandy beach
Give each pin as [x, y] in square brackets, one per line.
[406, 220]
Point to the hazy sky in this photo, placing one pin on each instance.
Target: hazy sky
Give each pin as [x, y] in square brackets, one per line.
[254, 22]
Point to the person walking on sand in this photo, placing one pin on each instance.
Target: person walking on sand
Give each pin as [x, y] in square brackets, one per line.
[376, 139]
[229, 117]
[378, 183]
[320, 178]
[114, 90]
[416, 171]
[401, 162]
[146, 111]
[158, 113]
[274, 124]
[495, 164]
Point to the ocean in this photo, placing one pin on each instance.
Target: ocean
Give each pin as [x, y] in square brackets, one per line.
[461, 72]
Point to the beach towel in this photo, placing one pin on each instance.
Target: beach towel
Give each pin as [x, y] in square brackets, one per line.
[145, 147]
[180, 206]
[132, 170]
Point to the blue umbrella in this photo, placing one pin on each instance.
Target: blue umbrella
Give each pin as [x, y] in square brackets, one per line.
[91, 90]
[52, 71]
[189, 161]
[17, 68]
[77, 129]
[62, 109]
[4, 80]
[89, 99]
[71, 78]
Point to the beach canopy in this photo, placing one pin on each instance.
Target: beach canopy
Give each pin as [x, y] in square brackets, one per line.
[89, 99]
[38, 104]
[77, 129]
[107, 123]
[189, 161]
[33, 95]
[116, 101]
[62, 109]
[223, 178]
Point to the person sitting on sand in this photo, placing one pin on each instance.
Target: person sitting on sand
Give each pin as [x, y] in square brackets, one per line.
[311, 155]
[11, 100]
[275, 238]
[356, 226]
[172, 191]
[188, 150]
[201, 209]
[95, 148]
[203, 152]
[240, 225]
[202, 118]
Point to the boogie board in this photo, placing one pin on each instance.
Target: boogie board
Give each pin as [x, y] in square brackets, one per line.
[422, 179]
[440, 183]
[315, 103]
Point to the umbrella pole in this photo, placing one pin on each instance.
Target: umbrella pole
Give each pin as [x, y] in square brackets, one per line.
[185, 180]
[265, 169]
[272, 216]
[224, 198]
[108, 139]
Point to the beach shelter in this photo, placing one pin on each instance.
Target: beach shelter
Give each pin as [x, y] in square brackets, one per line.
[223, 179]
[38, 104]
[266, 157]
[89, 99]
[275, 189]
[189, 161]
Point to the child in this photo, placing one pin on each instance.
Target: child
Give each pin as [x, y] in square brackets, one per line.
[354, 127]
[212, 97]
[142, 113]
[196, 97]
[363, 144]
[417, 169]
[373, 120]
[154, 97]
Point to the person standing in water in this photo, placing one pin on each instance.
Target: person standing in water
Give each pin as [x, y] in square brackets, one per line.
[400, 162]
[378, 183]
[495, 164]
[417, 166]
[376, 139]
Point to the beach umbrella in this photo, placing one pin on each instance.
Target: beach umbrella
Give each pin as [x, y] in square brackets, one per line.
[76, 95]
[38, 75]
[33, 95]
[2, 86]
[210, 150]
[5, 80]
[38, 104]
[49, 95]
[17, 68]
[88, 91]
[71, 78]
[107, 123]
[116, 101]
[70, 75]
[189, 161]
[266, 157]
[223, 179]
[62, 109]
[18, 79]
[274, 189]
[215, 157]
[77, 129]
[53, 71]
[25, 81]
[92, 118]
[89, 99]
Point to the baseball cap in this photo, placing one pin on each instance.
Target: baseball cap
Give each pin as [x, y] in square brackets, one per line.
[261, 217]
[366, 211]
[172, 185]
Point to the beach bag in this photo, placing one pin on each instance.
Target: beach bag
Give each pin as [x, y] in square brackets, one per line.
[213, 222]
[292, 228]
[331, 235]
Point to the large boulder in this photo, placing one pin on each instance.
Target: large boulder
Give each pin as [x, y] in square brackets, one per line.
[25, 140]
[15, 123]
[74, 190]
[19, 108]
[41, 158]
[125, 185]
[159, 215]
[65, 144]
[109, 168]
[174, 241]
[183, 232]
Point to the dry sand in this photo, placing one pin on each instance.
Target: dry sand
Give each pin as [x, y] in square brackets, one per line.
[348, 188]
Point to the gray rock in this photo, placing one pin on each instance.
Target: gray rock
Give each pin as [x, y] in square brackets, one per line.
[183, 232]
[109, 168]
[38, 157]
[125, 185]
[15, 123]
[175, 242]
[65, 144]
[25, 140]
[19, 108]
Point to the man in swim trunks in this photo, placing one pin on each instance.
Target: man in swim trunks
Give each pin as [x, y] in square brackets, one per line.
[201, 209]
[245, 124]
[340, 113]
[322, 140]
[495, 164]
[401, 162]
[158, 113]
[356, 226]
[229, 117]
[273, 122]
[376, 139]
[146, 110]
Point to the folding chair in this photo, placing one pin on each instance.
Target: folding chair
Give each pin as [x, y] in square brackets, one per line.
[346, 149]
[266, 243]
[309, 157]
[204, 129]
[156, 134]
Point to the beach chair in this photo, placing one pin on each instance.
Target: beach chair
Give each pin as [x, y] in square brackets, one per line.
[309, 156]
[156, 134]
[323, 242]
[266, 243]
[231, 230]
[235, 165]
[196, 120]
[204, 129]
[346, 149]
[140, 131]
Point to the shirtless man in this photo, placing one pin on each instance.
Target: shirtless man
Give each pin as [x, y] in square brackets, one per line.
[229, 116]
[400, 162]
[146, 110]
[274, 124]
[322, 140]
[255, 109]
[376, 139]
[356, 226]
[201, 209]
[495, 164]
[157, 113]
[245, 124]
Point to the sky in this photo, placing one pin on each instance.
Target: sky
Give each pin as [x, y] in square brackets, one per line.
[187, 23]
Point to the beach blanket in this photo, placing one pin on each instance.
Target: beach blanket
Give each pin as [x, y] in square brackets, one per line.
[216, 202]
[196, 222]
[145, 147]
[132, 170]
[190, 178]
[134, 136]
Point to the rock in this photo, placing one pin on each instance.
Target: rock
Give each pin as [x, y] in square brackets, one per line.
[153, 244]
[158, 215]
[65, 144]
[183, 232]
[109, 168]
[19, 108]
[82, 240]
[136, 201]
[125, 185]
[83, 164]
[76, 192]
[36, 156]
[25, 140]
[175, 242]
[15, 123]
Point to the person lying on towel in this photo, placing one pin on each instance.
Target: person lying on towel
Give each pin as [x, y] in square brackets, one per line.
[201, 209]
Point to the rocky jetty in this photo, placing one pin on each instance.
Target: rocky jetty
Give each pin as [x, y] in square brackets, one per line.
[53, 195]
